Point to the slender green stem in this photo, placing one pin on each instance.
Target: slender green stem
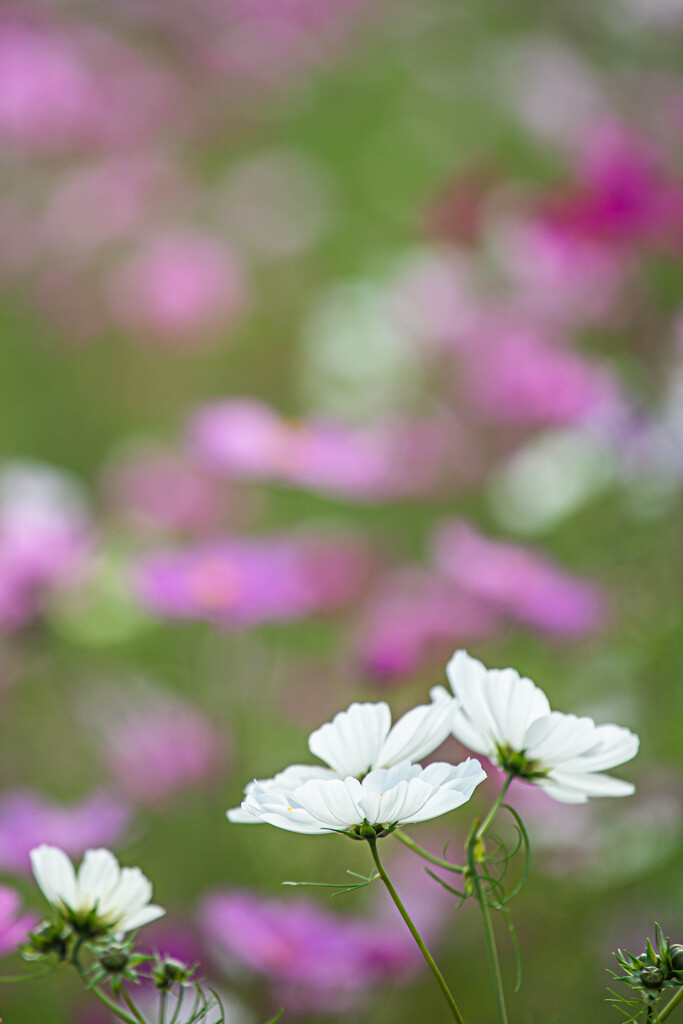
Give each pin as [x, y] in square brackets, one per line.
[483, 828]
[414, 932]
[133, 1008]
[162, 1007]
[671, 1005]
[407, 841]
[97, 992]
[489, 937]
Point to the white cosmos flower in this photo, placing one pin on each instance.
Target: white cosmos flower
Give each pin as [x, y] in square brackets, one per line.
[101, 897]
[401, 795]
[508, 718]
[356, 742]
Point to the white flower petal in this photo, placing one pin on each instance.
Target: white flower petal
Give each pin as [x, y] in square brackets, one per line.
[352, 741]
[558, 737]
[143, 916]
[474, 724]
[500, 709]
[420, 731]
[98, 876]
[514, 702]
[55, 875]
[284, 782]
[592, 784]
[613, 745]
[335, 804]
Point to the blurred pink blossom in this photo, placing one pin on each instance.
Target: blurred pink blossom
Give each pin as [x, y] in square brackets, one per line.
[28, 819]
[244, 438]
[558, 273]
[14, 926]
[46, 537]
[157, 489]
[179, 289]
[514, 375]
[316, 961]
[100, 203]
[250, 580]
[517, 581]
[158, 746]
[624, 192]
[416, 614]
[65, 84]
[267, 42]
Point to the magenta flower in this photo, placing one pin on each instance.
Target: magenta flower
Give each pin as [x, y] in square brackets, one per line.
[14, 926]
[314, 960]
[45, 538]
[244, 438]
[159, 746]
[28, 819]
[413, 614]
[250, 580]
[180, 289]
[517, 581]
[625, 193]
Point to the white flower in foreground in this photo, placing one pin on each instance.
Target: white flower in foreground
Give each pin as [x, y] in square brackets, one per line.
[356, 742]
[508, 718]
[101, 897]
[401, 795]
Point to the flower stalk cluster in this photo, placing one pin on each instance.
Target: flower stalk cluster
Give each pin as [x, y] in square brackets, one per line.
[371, 786]
[651, 973]
[93, 909]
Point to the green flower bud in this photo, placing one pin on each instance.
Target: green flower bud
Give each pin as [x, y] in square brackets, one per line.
[652, 977]
[115, 959]
[676, 952]
[47, 938]
[170, 971]
[367, 831]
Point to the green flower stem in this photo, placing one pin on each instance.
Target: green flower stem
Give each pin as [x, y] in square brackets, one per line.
[97, 992]
[162, 1007]
[407, 841]
[480, 895]
[671, 1005]
[414, 932]
[133, 1008]
[488, 820]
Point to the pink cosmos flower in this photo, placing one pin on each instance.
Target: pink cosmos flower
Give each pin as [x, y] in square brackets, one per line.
[14, 926]
[244, 438]
[517, 581]
[315, 961]
[110, 200]
[557, 273]
[65, 84]
[180, 289]
[45, 537]
[28, 819]
[157, 489]
[414, 614]
[158, 746]
[513, 375]
[250, 580]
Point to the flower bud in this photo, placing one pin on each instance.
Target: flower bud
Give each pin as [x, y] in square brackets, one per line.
[676, 951]
[115, 959]
[169, 972]
[652, 977]
[47, 938]
[367, 831]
